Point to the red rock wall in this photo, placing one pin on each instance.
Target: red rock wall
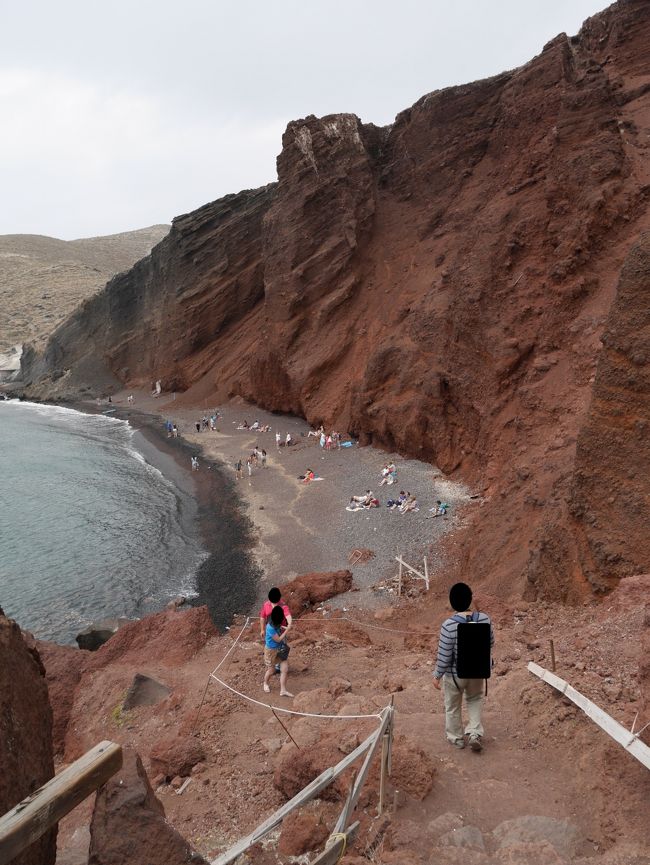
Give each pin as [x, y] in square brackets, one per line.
[438, 287]
[25, 733]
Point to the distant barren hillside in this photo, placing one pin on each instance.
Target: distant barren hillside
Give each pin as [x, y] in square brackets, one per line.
[43, 279]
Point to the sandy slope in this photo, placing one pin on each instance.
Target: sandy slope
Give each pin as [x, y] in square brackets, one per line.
[42, 279]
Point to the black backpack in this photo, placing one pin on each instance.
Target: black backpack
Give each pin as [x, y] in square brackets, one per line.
[473, 652]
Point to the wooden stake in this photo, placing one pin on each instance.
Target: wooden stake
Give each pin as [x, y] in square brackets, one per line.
[286, 731]
[384, 772]
[552, 656]
[426, 573]
[399, 583]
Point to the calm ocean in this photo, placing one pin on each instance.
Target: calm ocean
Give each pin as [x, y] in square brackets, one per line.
[88, 529]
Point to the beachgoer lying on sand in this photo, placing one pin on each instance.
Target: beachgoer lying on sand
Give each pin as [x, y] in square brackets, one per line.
[256, 425]
[373, 503]
[316, 433]
[357, 502]
[440, 509]
[309, 476]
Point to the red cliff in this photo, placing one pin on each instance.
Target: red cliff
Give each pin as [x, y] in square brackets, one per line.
[438, 287]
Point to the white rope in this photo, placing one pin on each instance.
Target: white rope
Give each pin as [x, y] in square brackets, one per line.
[291, 711]
[246, 623]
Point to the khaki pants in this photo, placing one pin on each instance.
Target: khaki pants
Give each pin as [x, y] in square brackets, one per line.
[473, 690]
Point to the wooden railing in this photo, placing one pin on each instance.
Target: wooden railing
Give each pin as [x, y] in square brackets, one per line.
[32, 817]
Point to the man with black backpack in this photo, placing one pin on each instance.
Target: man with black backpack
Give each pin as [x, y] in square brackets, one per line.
[465, 662]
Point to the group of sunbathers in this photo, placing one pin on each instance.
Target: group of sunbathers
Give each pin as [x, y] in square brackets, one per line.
[255, 427]
[388, 475]
[326, 441]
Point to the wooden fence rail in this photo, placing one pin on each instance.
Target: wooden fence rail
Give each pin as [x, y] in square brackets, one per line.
[627, 738]
[368, 747]
[39, 812]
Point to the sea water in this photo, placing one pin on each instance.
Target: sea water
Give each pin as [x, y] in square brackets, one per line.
[88, 529]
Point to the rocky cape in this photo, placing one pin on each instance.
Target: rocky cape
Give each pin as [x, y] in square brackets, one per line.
[468, 286]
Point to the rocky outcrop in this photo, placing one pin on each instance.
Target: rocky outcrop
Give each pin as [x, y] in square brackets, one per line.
[129, 826]
[438, 287]
[25, 733]
[307, 589]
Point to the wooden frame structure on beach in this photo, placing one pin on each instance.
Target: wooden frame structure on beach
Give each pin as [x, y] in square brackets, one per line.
[35, 815]
[342, 833]
[627, 738]
[413, 571]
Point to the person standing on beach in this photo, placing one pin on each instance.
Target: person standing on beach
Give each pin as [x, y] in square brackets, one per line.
[264, 459]
[238, 469]
[288, 440]
[278, 439]
[198, 426]
[249, 466]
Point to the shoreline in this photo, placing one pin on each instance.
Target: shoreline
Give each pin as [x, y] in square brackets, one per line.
[216, 515]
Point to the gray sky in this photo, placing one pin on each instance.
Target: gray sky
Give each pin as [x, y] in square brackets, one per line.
[122, 114]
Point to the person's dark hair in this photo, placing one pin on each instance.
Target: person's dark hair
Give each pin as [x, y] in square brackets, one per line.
[274, 595]
[277, 616]
[460, 597]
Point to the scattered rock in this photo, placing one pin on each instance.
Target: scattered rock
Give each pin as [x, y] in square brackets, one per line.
[535, 829]
[145, 692]
[98, 633]
[444, 824]
[176, 755]
[464, 836]
[177, 602]
[338, 686]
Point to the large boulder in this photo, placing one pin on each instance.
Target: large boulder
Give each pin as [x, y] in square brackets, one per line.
[128, 825]
[176, 755]
[95, 635]
[25, 733]
[314, 588]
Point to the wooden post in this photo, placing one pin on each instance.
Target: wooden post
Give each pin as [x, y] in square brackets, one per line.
[426, 573]
[383, 773]
[552, 656]
[286, 731]
[32, 817]
[331, 855]
[399, 581]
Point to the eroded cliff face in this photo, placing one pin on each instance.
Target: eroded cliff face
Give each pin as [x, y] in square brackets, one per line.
[438, 287]
[25, 733]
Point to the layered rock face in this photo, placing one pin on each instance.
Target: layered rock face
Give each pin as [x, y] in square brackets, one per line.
[25, 733]
[438, 287]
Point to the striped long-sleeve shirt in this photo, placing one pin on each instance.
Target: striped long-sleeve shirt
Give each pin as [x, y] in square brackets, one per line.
[446, 662]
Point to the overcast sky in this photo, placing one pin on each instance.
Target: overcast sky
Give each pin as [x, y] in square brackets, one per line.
[125, 113]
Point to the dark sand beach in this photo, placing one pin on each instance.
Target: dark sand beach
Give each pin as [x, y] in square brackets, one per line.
[270, 527]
